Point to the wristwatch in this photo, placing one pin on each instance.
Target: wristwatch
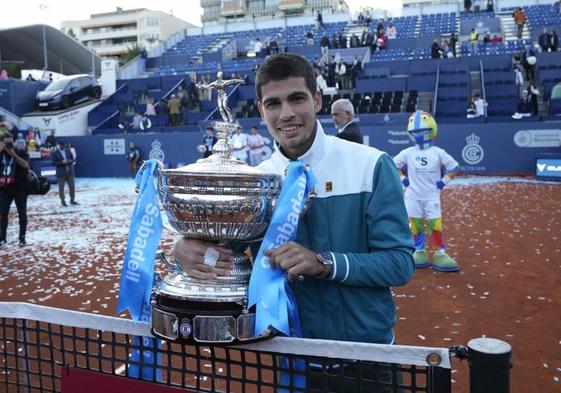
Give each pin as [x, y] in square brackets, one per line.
[326, 260]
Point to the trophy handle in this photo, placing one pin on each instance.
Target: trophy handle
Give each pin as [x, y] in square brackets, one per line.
[161, 256]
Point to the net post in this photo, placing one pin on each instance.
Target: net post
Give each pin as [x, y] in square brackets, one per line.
[489, 365]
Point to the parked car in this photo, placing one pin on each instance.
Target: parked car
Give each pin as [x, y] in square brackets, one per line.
[68, 91]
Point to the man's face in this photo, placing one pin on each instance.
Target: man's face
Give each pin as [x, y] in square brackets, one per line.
[339, 116]
[289, 110]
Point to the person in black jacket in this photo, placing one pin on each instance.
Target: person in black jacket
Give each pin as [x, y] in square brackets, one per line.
[14, 166]
[342, 113]
[545, 40]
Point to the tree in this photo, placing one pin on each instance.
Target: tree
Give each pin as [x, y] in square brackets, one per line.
[71, 33]
[130, 54]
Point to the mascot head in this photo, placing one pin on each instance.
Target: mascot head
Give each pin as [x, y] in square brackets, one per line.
[422, 129]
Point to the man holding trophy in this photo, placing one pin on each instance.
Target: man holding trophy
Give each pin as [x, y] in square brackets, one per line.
[353, 243]
[323, 268]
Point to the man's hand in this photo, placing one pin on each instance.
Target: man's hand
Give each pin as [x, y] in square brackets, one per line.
[295, 259]
[190, 253]
[11, 152]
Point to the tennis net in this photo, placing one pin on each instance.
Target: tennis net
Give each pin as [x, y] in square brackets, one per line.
[47, 349]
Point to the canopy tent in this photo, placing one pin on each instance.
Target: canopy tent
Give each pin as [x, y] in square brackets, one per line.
[44, 47]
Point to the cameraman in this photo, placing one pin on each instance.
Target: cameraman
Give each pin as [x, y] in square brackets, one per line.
[14, 166]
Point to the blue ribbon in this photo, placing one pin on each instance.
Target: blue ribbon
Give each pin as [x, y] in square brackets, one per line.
[275, 304]
[137, 275]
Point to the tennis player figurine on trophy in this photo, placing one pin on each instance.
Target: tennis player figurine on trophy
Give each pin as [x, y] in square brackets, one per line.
[219, 199]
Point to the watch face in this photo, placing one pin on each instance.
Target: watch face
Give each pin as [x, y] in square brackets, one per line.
[326, 258]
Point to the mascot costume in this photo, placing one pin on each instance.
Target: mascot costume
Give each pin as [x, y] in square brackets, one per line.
[425, 170]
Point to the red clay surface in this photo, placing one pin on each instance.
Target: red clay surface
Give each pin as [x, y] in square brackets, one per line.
[506, 237]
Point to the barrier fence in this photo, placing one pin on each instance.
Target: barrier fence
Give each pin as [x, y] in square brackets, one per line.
[47, 349]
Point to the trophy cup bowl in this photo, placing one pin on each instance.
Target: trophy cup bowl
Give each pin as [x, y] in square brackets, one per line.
[221, 199]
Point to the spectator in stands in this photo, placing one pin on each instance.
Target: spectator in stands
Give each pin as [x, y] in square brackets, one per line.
[342, 114]
[490, 6]
[255, 142]
[50, 141]
[342, 41]
[520, 19]
[206, 94]
[496, 40]
[447, 50]
[544, 40]
[391, 32]
[354, 41]
[356, 69]
[341, 75]
[379, 27]
[367, 18]
[209, 140]
[257, 46]
[473, 41]
[557, 6]
[471, 110]
[174, 108]
[4, 75]
[62, 160]
[193, 97]
[134, 159]
[274, 45]
[324, 44]
[381, 40]
[319, 21]
[239, 144]
[143, 57]
[182, 96]
[480, 105]
[529, 61]
[533, 93]
[331, 74]
[320, 81]
[31, 135]
[453, 43]
[309, 38]
[435, 50]
[487, 37]
[150, 109]
[14, 164]
[524, 108]
[477, 5]
[554, 41]
[136, 120]
[334, 41]
[360, 18]
[467, 6]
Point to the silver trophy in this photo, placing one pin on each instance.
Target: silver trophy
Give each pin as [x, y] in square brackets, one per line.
[222, 199]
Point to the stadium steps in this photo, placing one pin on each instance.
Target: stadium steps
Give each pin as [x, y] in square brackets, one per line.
[508, 27]
[418, 28]
[424, 101]
[475, 83]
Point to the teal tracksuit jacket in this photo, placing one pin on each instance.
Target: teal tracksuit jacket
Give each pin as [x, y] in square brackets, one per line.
[359, 216]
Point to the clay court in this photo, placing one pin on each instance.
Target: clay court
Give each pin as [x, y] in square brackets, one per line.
[504, 232]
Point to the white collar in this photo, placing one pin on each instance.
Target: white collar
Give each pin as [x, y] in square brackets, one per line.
[345, 126]
[312, 157]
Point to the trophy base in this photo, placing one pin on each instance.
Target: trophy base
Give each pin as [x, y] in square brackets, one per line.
[187, 321]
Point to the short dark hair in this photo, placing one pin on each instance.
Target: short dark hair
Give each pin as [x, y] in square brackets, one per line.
[283, 66]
